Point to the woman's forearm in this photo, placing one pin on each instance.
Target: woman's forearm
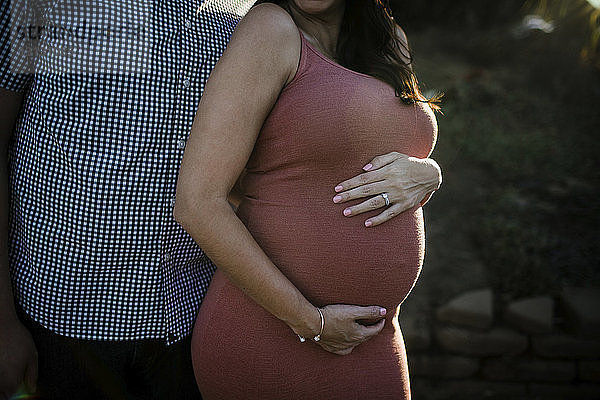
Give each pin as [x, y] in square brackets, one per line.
[224, 238]
[434, 176]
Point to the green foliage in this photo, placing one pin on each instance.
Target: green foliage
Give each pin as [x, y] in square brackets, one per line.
[516, 249]
[525, 117]
[579, 18]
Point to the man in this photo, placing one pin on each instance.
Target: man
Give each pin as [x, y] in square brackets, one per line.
[107, 284]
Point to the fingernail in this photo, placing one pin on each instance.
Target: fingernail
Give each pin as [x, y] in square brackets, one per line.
[339, 188]
[368, 222]
[368, 167]
[382, 312]
[337, 199]
[347, 212]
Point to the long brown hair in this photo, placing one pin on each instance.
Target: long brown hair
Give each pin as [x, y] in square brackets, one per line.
[371, 42]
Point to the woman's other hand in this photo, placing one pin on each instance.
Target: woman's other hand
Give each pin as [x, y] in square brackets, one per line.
[342, 332]
[407, 181]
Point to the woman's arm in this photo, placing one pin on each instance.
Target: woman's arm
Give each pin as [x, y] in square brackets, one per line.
[261, 58]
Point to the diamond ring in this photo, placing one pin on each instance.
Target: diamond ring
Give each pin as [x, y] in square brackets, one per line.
[386, 198]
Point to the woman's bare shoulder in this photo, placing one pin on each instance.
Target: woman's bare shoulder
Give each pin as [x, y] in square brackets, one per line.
[267, 32]
[270, 23]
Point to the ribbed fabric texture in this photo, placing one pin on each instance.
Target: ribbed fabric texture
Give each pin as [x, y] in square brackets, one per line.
[328, 123]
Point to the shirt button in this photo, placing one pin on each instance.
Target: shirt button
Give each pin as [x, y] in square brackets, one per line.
[188, 23]
[186, 83]
[166, 257]
[181, 144]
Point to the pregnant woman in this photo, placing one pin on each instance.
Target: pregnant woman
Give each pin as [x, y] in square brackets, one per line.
[302, 95]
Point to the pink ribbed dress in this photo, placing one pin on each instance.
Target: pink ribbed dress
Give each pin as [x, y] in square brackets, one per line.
[327, 123]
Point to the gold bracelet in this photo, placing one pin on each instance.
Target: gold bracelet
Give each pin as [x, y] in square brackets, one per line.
[317, 337]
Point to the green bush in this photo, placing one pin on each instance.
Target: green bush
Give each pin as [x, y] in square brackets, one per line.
[523, 113]
[579, 19]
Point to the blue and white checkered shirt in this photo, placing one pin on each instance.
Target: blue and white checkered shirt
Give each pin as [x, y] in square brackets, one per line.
[112, 87]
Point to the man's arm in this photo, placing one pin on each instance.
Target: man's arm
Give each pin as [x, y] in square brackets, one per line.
[18, 356]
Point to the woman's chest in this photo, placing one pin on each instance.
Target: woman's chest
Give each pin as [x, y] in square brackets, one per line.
[349, 117]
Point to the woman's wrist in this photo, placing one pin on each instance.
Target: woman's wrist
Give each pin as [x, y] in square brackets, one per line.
[434, 173]
[310, 325]
[317, 337]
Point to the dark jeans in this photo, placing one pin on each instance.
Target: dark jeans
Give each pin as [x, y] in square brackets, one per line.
[89, 369]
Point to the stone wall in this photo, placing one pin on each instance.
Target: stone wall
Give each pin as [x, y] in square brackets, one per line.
[534, 348]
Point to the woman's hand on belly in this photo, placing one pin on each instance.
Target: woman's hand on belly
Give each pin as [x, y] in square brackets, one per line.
[342, 333]
[407, 181]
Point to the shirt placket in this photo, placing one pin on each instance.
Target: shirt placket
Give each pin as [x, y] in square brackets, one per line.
[188, 82]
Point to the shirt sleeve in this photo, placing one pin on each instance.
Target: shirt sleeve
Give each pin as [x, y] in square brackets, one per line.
[17, 50]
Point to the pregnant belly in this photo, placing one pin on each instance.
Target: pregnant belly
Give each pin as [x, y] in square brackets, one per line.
[334, 259]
